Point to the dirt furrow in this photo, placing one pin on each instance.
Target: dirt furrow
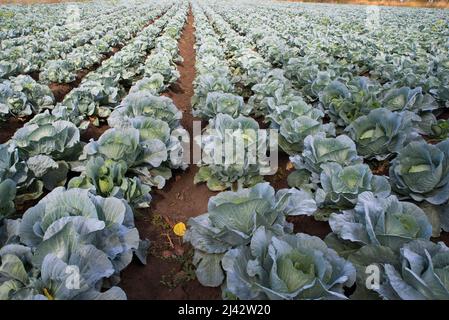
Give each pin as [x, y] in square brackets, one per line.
[169, 273]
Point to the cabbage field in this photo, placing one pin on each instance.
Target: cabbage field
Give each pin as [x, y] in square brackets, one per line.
[115, 177]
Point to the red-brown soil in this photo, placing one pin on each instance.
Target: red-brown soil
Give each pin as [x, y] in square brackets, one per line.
[310, 226]
[9, 127]
[169, 273]
[279, 180]
[93, 132]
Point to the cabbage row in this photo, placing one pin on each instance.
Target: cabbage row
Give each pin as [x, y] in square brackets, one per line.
[217, 99]
[145, 138]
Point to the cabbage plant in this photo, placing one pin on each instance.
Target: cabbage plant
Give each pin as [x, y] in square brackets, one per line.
[274, 87]
[291, 109]
[249, 69]
[24, 278]
[418, 271]
[440, 129]
[226, 103]
[146, 128]
[319, 150]
[153, 84]
[293, 131]
[408, 99]
[147, 147]
[95, 97]
[169, 44]
[11, 166]
[7, 196]
[217, 169]
[233, 218]
[48, 148]
[19, 183]
[382, 133]
[123, 144]
[421, 172]
[306, 76]
[107, 178]
[105, 223]
[346, 101]
[145, 104]
[57, 139]
[340, 186]
[161, 63]
[38, 95]
[276, 49]
[381, 221]
[84, 57]
[210, 82]
[59, 71]
[286, 266]
[8, 69]
[22, 96]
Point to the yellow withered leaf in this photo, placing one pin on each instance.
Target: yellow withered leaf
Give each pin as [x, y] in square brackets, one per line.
[180, 229]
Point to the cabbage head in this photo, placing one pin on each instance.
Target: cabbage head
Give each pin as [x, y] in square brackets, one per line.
[161, 63]
[290, 110]
[210, 82]
[346, 101]
[106, 223]
[153, 84]
[340, 186]
[232, 219]
[421, 172]
[408, 99]
[218, 172]
[58, 71]
[21, 96]
[417, 271]
[146, 104]
[48, 147]
[293, 131]
[107, 178]
[382, 133]
[319, 150]
[24, 278]
[219, 102]
[286, 266]
[381, 221]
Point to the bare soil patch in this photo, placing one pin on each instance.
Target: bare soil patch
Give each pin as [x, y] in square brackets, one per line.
[9, 127]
